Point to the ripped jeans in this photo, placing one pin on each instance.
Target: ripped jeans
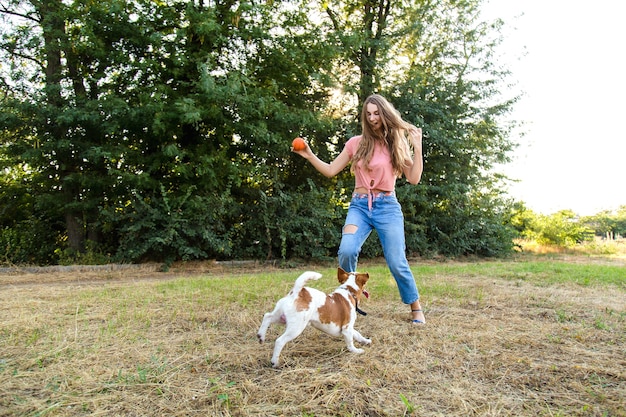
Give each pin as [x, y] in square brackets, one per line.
[387, 219]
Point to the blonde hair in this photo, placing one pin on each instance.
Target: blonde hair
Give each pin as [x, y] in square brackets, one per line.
[393, 135]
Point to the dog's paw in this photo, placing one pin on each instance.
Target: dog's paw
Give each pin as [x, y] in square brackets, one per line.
[261, 338]
[358, 350]
[367, 341]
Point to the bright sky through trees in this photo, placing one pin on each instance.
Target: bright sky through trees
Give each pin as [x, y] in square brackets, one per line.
[572, 76]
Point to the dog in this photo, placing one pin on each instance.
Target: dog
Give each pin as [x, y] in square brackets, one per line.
[334, 314]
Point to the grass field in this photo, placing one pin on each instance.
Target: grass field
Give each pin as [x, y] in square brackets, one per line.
[531, 336]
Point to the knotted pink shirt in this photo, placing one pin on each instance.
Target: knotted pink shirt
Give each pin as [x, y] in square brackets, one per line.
[379, 173]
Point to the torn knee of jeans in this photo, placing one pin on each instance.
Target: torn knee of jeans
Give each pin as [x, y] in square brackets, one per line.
[350, 229]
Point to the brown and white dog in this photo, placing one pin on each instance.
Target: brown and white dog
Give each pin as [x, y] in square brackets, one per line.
[333, 313]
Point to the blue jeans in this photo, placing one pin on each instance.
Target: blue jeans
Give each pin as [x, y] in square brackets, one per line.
[387, 219]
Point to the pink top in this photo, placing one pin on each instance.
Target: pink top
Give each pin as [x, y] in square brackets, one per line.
[379, 175]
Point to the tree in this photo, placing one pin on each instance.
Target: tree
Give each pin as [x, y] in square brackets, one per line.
[146, 102]
[562, 228]
[161, 130]
[71, 133]
[433, 60]
[607, 224]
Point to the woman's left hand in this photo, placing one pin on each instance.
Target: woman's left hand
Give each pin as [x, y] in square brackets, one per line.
[415, 136]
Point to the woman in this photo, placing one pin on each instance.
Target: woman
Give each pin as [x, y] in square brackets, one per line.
[378, 156]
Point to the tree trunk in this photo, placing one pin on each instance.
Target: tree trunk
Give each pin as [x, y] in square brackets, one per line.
[53, 32]
[75, 232]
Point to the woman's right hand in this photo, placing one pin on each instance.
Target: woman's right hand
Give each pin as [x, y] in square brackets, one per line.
[306, 153]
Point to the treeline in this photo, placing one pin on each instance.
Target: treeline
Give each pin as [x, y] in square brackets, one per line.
[566, 229]
[135, 130]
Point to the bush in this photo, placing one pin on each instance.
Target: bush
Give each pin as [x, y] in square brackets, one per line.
[168, 227]
[562, 228]
[276, 224]
[468, 225]
[29, 242]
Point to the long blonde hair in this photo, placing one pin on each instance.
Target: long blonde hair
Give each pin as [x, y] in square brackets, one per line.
[393, 135]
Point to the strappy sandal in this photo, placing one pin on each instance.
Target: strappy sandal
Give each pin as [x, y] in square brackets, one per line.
[417, 321]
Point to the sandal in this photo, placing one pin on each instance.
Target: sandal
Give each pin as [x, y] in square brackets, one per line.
[417, 321]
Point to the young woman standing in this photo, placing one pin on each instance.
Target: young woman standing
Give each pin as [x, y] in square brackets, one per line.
[378, 156]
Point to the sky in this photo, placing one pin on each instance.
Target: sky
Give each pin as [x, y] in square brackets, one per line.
[567, 57]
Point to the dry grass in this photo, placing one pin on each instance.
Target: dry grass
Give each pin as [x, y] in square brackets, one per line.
[138, 342]
[606, 249]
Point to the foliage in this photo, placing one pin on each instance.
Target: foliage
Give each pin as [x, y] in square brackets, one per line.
[305, 224]
[30, 241]
[170, 227]
[27, 235]
[473, 226]
[607, 224]
[141, 130]
[562, 228]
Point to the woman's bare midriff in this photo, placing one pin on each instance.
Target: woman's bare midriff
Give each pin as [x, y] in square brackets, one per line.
[361, 190]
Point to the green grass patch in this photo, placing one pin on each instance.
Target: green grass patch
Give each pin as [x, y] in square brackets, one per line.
[536, 272]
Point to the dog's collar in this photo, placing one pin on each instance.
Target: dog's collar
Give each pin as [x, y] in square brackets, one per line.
[356, 302]
[358, 310]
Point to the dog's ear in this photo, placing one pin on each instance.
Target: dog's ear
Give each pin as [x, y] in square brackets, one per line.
[361, 279]
[342, 276]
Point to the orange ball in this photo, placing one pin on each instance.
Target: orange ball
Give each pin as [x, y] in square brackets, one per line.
[298, 144]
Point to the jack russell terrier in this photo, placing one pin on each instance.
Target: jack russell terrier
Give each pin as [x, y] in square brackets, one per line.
[333, 313]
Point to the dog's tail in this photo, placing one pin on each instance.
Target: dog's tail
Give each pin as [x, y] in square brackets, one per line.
[303, 279]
